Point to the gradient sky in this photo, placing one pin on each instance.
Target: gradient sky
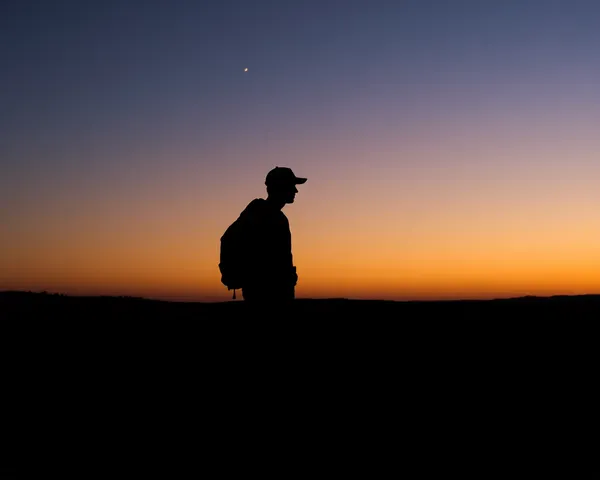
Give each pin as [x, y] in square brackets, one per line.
[452, 147]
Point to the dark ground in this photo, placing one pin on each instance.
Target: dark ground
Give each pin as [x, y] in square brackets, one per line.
[43, 306]
[494, 379]
[313, 332]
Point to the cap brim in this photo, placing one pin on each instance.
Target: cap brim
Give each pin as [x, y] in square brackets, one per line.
[300, 181]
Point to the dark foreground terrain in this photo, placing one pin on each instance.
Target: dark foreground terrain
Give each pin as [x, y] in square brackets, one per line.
[44, 306]
[367, 379]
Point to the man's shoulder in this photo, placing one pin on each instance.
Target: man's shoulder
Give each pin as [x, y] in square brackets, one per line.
[255, 206]
[256, 203]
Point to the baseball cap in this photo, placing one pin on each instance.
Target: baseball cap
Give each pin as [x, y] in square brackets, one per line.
[283, 176]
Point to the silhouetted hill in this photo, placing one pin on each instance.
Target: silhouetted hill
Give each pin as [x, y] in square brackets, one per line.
[8, 473]
[413, 363]
[44, 306]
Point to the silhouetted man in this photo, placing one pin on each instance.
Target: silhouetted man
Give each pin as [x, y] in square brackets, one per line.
[271, 275]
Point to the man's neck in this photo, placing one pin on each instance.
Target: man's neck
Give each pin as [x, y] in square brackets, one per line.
[276, 204]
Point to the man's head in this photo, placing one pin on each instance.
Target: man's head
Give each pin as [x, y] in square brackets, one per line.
[281, 184]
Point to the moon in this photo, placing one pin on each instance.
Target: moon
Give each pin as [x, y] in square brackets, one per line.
[245, 69]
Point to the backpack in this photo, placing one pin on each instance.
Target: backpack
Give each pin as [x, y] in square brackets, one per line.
[232, 258]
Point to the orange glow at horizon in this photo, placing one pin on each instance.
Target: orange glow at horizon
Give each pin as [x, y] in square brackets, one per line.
[406, 257]
[372, 230]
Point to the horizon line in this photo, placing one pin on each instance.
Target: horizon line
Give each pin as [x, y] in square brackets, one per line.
[131, 297]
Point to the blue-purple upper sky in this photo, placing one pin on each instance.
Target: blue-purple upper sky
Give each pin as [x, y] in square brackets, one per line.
[90, 74]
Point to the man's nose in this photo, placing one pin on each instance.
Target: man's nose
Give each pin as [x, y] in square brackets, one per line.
[295, 189]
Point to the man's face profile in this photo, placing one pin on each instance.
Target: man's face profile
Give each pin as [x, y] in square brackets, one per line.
[286, 192]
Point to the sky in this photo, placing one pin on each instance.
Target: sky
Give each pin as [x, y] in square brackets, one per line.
[451, 148]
